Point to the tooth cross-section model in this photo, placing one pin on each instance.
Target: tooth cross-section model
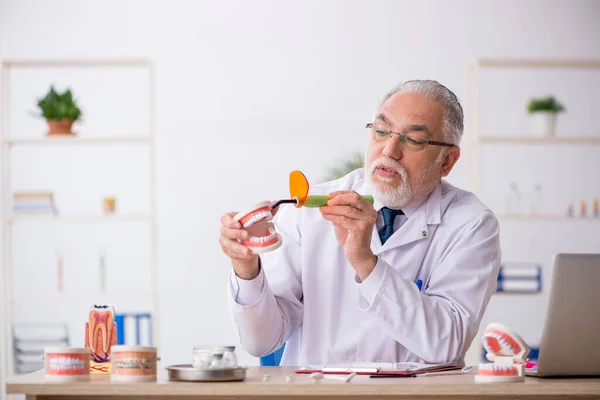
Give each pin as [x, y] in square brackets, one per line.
[261, 231]
[101, 332]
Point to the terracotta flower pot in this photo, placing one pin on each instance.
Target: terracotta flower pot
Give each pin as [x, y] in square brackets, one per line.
[62, 127]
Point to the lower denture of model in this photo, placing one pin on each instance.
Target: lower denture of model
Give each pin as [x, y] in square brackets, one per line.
[262, 236]
[508, 352]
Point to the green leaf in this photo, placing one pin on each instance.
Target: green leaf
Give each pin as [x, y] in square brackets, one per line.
[548, 103]
[59, 106]
[345, 166]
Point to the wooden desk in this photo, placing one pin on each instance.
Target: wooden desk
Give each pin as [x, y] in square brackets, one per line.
[302, 387]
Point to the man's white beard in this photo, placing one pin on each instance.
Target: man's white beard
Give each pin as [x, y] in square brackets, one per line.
[404, 193]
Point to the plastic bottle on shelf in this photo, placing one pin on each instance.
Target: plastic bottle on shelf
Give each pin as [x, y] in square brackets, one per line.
[571, 210]
[583, 208]
[536, 200]
[513, 200]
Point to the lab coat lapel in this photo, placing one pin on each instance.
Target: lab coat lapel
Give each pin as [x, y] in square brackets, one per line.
[417, 227]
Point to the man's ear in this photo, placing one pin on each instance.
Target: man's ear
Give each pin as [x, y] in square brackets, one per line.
[452, 156]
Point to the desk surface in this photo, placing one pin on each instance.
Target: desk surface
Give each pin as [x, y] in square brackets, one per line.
[301, 386]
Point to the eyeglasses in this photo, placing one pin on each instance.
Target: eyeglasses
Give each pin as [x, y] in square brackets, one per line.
[411, 142]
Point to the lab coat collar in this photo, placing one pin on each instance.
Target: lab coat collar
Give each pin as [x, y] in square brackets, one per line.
[409, 211]
[420, 216]
[430, 206]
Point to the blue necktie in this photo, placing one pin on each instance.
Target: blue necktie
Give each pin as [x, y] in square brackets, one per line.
[388, 223]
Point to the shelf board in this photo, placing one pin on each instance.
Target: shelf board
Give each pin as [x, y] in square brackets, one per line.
[538, 63]
[97, 296]
[546, 217]
[76, 140]
[540, 140]
[132, 62]
[78, 218]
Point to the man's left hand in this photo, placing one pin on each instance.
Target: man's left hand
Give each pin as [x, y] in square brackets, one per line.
[353, 219]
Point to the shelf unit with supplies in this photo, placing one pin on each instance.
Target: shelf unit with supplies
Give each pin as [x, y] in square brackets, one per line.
[140, 294]
[503, 156]
[476, 139]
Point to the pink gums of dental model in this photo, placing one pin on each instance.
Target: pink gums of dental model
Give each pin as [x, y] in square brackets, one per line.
[507, 350]
[262, 236]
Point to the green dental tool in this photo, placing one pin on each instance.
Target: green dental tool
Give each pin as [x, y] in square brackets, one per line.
[300, 197]
[321, 200]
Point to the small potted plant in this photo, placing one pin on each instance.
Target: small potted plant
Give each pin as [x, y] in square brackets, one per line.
[343, 167]
[543, 115]
[60, 111]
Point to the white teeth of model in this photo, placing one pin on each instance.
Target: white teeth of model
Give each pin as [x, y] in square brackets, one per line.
[501, 340]
[257, 217]
[261, 239]
[64, 363]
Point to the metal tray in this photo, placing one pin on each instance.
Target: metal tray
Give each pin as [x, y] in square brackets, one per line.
[187, 372]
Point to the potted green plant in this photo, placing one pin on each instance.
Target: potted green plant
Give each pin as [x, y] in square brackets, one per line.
[543, 113]
[60, 111]
[343, 167]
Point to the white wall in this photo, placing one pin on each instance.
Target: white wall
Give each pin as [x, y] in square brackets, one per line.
[248, 91]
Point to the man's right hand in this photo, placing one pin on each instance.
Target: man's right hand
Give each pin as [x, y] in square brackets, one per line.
[244, 261]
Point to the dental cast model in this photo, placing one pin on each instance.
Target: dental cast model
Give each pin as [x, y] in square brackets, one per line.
[65, 364]
[508, 351]
[261, 231]
[257, 219]
[101, 332]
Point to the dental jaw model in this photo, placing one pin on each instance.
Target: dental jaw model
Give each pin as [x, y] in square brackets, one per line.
[100, 336]
[508, 352]
[261, 231]
[66, 364]
[257, 219]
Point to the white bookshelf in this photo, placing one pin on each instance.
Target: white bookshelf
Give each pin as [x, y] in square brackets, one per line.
[519, 227]
[144, 140]
[77, 141]
[478, 138]
[51, 298]
[550, 141]
[547, 217]
[15, 218]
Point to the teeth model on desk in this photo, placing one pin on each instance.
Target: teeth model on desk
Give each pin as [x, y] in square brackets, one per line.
[66, 364]
[508, 352]
[133, 363]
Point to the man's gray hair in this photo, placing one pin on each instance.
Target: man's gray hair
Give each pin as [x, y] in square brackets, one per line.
[435, 91]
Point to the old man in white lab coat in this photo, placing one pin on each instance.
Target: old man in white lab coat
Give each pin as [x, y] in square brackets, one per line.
[406, 279]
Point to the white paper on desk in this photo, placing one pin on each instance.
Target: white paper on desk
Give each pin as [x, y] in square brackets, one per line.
[379, 366]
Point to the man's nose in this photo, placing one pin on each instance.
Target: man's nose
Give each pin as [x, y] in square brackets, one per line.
[393, 148]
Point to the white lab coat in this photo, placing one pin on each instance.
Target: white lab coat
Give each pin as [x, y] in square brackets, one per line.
[308, 295]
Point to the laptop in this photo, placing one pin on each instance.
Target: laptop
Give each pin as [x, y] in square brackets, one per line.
[569, 344]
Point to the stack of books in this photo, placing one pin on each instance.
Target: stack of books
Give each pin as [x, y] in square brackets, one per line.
[520, 277]
[34, 202]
